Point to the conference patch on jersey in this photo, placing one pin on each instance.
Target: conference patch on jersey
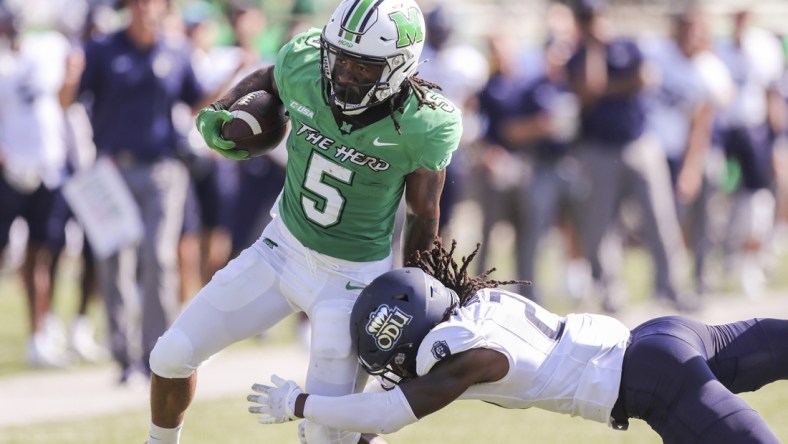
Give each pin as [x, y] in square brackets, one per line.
[386, 326]
[440, 350]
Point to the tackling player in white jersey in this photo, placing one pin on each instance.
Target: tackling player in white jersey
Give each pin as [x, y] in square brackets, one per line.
[440, 335]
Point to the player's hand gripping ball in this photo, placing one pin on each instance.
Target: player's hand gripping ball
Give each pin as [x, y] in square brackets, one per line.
[259, 123]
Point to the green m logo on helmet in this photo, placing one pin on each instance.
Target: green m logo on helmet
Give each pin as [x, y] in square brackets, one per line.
[409, 29]
[361, 16]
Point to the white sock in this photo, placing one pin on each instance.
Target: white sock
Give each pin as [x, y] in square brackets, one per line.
[160, 435]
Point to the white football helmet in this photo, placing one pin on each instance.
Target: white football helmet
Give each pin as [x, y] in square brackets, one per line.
[388, 33]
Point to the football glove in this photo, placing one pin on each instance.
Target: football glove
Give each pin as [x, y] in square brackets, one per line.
[277, 402]
[209, 123]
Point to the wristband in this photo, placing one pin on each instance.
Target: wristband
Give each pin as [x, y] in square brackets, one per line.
[217, 106]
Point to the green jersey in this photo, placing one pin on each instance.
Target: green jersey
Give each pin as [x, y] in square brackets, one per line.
[344, 184]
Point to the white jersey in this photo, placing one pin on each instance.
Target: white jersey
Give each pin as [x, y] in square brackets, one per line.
[566, 364]
[32, 132]
[681, 91]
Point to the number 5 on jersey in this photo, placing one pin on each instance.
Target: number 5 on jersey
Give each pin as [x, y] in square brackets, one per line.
[327, 209]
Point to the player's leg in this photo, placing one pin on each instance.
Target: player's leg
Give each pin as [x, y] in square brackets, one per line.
[333, 367]
[747, 355]
[667, 382]
[45, 234]
[160, 190]
[602, 168]
[214, 211]
[82, 335]
[537, 205]
[649, 183]
[699, 228]
[189, 254]
[242, 300]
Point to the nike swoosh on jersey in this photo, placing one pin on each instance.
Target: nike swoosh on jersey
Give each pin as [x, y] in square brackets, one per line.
[350, 286]
[377, 142]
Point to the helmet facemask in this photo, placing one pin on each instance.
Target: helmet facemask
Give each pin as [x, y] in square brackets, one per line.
[352, 97]
[391, 373]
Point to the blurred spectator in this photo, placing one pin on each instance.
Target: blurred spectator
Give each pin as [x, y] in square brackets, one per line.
[32, 162]
[781, 162]
[82, 154]
[681, 115]
[543, 126]
[206, 243]
[302, 14]
[749, 129]
[131, 79]
[619, 157]
[260, 178]
[502, 170]
[461, 71]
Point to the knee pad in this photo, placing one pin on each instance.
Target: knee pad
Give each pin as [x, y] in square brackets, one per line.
[331, 329]
[172, 354]
[311, 432]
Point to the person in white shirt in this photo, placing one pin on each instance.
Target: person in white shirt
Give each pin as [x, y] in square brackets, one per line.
[682, 106]
[748, 130]
[33, 168]
[439, 335]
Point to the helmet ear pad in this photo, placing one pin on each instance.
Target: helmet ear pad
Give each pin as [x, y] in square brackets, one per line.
[391, 317]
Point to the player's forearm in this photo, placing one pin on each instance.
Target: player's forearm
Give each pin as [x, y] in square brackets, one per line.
[262, 79]
[75, 64]
[592, 81]
[699, 139]
[382, 412]
[423, 190]
[67, 95]
[418, 235]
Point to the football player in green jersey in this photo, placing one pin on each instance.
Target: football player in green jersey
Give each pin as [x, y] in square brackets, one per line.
[364, 132]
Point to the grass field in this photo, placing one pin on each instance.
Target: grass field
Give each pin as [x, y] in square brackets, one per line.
[226, 420]
[465, 422]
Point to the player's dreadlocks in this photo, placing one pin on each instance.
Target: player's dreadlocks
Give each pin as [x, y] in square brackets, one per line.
[420, 88]
[440, 263]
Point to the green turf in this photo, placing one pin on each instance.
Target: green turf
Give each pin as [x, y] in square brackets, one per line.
[226, 421]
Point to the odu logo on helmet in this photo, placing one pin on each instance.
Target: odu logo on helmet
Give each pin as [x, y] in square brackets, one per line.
[385, 325]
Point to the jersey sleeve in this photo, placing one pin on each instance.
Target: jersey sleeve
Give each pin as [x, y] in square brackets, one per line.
[292, 57]
[442, 143]
[283, 60]
[445, 340]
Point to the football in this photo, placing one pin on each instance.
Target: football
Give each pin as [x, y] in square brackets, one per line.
[259, 123]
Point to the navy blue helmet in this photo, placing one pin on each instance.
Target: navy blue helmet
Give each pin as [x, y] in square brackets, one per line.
[391, 317]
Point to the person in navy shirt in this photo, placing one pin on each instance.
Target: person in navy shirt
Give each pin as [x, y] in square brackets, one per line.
[531, 120]
[501, 169]
[543, 127]
[619, 158]
[130, 80]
